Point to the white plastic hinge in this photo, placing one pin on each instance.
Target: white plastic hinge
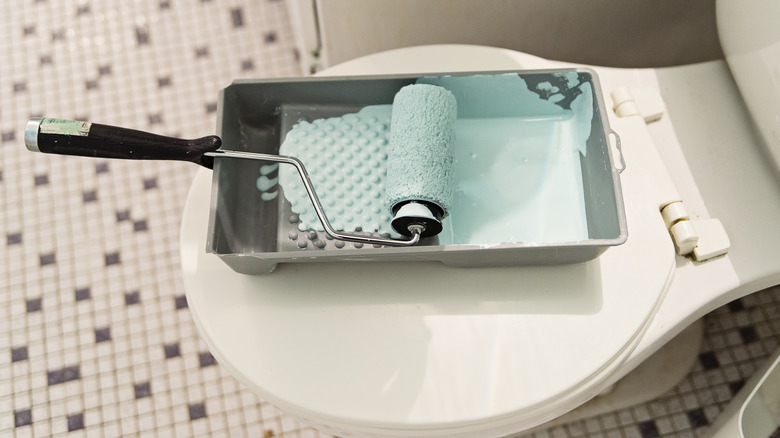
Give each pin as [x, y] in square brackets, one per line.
[701, 239]
[645, 102]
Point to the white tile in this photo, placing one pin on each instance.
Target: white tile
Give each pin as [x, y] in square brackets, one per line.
[183, 427]
[129, 425]
[163, 417]
[112, 428]
[92, 400]
[689, 401]
[42, 428]
[111, 412]
[664, 426]
[74, 404]
[23, 432]
[144, 405]
[592, 425]
[146, 422]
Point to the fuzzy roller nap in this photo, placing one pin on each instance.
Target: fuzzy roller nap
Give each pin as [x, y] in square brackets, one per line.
[419, 158]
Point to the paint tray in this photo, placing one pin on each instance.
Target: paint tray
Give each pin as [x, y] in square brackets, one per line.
[536, 182]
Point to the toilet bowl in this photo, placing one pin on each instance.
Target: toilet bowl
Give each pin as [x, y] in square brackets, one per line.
[422, 349]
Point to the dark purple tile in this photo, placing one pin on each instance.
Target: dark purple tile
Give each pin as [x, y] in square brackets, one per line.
[708, 360]
[64, 375]
[83, 9]
[171, 351]
[206, 359]
[34, 305]
[20, 87]
[22, 418]
[748, 334]
[113, 259]
[41, 180]
[19, 354]
[122, 215]
[201, 52]
[140, 225]
[90, 196]
[164, 81]
[75, 422]
[165, 4]
[83, 293]
[736, 305]
[46, 59]
[13, 239]
[197, 411]
[143, 390]
[734, 387]
[28, 30]
[104, 70]
[697, 418]
[247, 64]
[181, 302]
[155, 119]
[48, 259]
[150, 183]
[270, 37]
[102, 335]
[142, 35]
[648, 429]
[91, 84]
[211, 107]
[8, 136]
[133, 297]
[237, 16]
[101, 167]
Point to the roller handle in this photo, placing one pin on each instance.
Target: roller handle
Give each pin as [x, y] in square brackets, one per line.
[69, 137]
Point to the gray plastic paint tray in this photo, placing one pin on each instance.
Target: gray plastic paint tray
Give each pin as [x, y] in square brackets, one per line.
[536, 183]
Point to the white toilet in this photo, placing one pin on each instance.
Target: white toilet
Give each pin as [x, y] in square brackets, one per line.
[405, 349]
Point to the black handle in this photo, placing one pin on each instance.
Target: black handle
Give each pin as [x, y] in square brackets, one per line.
[69, 137]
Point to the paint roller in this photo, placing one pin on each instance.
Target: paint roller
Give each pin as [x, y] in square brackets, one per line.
[419, 163]
[419, 159]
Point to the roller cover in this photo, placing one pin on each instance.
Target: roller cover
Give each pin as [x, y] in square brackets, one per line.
[419, 157]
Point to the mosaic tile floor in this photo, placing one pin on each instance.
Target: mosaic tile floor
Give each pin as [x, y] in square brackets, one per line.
[95, 335]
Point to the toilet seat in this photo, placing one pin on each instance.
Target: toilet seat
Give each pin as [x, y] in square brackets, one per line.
[400, 349]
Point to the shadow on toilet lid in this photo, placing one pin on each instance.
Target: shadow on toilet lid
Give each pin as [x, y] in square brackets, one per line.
[394, 346]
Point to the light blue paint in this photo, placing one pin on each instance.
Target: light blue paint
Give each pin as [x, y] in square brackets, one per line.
[490, 96]
[267, 169]
[345, 158]
[516, 164]
[265, 184]
[517, 180]
[582, 107]
[546, 86]
[269, 196]
[572, 78]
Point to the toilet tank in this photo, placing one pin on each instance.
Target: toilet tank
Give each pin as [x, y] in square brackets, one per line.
[749, 32]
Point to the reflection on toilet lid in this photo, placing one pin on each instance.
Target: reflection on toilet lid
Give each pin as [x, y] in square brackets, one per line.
[375, 347]
[374, 343]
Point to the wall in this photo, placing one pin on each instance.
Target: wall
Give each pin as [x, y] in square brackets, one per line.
[636, 33]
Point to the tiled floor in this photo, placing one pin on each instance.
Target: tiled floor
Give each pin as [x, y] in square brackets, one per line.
[738, 339]
[95, 334]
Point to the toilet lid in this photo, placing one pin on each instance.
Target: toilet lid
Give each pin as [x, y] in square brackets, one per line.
[391, 348]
